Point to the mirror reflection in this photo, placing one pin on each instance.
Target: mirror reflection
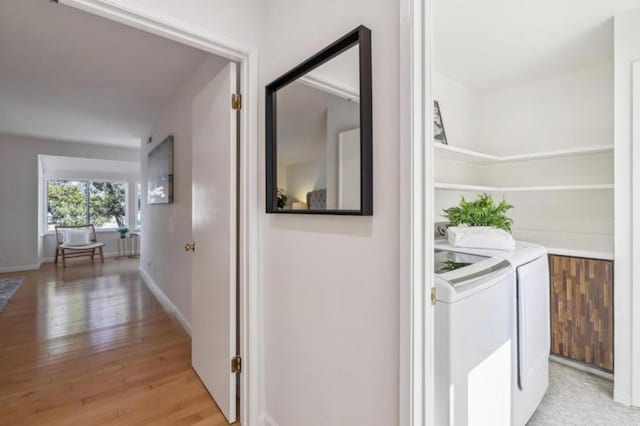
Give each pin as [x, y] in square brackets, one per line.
[318, 128]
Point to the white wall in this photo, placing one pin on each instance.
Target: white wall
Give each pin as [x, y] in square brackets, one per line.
[627, 50]
[237, 20]
[331, 284]
[459, 109]
[166, 228]
[19, 191]
[569, 110]
[303, 178]
[301, 127]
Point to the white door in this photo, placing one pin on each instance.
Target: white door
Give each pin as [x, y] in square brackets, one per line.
[213, 315]
[349, 170]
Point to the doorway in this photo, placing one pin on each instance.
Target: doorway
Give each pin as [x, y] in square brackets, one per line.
[247, 210]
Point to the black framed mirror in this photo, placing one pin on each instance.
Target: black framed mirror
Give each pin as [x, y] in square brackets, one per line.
[319, 157]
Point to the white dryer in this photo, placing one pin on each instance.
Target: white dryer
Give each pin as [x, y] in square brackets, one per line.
[533, 330]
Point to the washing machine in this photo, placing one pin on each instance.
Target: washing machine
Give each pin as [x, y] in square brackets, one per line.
[474, 314]
[530, 326]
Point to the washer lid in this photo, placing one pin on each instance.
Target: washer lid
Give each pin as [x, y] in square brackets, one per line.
[447, 261]
[462, 274]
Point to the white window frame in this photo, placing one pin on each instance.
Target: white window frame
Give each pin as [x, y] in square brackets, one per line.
[134, 209]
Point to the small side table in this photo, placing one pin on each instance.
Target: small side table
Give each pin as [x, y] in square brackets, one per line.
[129, 246]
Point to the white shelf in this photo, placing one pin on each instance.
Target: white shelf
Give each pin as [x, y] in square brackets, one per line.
[479, 188]
[592, 246]
[460, 187]
[461, 154]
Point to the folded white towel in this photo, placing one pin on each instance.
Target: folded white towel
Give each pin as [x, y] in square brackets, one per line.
[481, 237]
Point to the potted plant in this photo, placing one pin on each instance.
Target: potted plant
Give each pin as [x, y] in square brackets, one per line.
[481, 223]
[123, 231]
[483, 211]
[282, 198]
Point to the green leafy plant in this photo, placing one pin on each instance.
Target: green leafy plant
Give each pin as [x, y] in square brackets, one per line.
[452, 266]
[282, 198]
[123, 230]
[483, 211]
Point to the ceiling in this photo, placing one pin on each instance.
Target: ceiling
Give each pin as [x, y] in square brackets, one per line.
[68, 75]
[491, 44]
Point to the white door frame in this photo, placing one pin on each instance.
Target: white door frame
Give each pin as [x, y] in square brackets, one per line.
[416, 215]
[632, 348]
[249, 256]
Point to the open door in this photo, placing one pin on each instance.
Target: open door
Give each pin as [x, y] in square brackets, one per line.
[214, 290]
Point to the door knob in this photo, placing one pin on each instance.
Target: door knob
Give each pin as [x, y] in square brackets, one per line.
[190, 247]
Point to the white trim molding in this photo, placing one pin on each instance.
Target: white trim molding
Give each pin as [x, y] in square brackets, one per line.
[330, 87]
[267, 420]
[580, 366]
[164, 300]
[633, 288]
[18, 268]
[416, 207]
[147, 18]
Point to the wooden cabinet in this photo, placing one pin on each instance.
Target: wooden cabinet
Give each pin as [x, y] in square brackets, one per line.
[582, 310]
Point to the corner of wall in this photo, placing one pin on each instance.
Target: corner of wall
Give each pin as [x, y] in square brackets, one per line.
[266, 420]
[164, 300]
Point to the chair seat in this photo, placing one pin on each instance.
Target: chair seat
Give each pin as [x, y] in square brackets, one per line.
[84, 247]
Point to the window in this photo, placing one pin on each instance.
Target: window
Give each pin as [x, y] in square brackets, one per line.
[78, 202]
[138, 205]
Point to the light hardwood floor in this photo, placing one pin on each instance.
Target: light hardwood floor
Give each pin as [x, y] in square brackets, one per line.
[91, 345]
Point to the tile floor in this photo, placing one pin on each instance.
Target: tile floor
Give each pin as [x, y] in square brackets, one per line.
[578, 398]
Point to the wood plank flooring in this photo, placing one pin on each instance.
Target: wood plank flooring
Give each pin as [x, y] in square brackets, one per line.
[91, 345]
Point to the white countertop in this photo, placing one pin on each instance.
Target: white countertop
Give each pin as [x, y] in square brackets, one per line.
[592, 246]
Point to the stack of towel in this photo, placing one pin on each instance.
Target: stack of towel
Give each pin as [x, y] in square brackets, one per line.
[480, 237]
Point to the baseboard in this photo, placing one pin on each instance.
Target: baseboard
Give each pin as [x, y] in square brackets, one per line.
[18, 268]
[581, 366]
[622, 397]
[267, 420]
[164, 300]
[52, 259]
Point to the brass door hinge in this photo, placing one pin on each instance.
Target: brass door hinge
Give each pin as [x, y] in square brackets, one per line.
[433, 295]
[236, 364]
[236, 102]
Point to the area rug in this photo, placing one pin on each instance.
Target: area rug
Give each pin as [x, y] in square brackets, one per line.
[7, 290]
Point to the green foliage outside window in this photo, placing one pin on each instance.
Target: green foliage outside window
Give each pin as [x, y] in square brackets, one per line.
[102, 204]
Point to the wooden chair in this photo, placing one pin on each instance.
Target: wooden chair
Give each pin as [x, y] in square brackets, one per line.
[68, 252]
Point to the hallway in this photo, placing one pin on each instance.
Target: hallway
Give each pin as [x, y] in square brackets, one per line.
[91, 345]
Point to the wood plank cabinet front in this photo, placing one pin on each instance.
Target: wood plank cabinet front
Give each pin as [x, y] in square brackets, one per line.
[582, 310]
